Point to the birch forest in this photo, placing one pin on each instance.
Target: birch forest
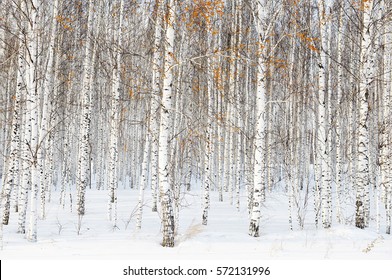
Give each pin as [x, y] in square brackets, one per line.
[232, 101]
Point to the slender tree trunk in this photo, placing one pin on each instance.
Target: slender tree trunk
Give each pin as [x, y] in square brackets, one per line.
[339, 119]
[115, 123]
[154, 106]
[164, 132]
[366, 76]
[259, 164]
[291, 124]
[208, 142]
[323, 156]
[11, 178]
[239, 97]
[25, 183]
[85, 119]
[32, 106]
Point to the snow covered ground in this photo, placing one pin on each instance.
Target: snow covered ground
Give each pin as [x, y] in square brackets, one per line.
[225, 236]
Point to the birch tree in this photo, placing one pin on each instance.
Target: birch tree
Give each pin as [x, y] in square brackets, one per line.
[11, 178]
[199, 93]
[260, 18]
[207, 152]
[154, 106]
[165, 188]
[339, 117]
[366, 77]
[85, 118]
[323, 144]
[115, 123]
[32, 107]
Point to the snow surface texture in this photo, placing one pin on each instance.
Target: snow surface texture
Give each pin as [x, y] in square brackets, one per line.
[225, 236]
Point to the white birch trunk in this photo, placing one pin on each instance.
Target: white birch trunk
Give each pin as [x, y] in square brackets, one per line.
[317, 170]
[259, 164]
[64, 170]
[25, 182]
[207, 145]
[85, 119]
[26, 171]
[353, 122]
[323, 158]
[227, 148]
[11, 178]
[249, 144]
[232, 118]
[101, 147]
[366, 76]
[291, 157]
[164, 132]
[32, 107]
[339, 118]
[144, 178]
[115, 123]
[328, 127]
[239, 96]
[155, 103]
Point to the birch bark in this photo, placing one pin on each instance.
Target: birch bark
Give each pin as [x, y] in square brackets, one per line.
[339, 119]
[32, 106]
[164, 131]
[366, 78]
[323, 155]
[259, 164]
[85, 119]
[155, 103]
[115, 123]
[208, 143]
[11, 178]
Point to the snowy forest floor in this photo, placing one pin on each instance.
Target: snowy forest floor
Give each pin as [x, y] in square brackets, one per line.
[225, 236]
